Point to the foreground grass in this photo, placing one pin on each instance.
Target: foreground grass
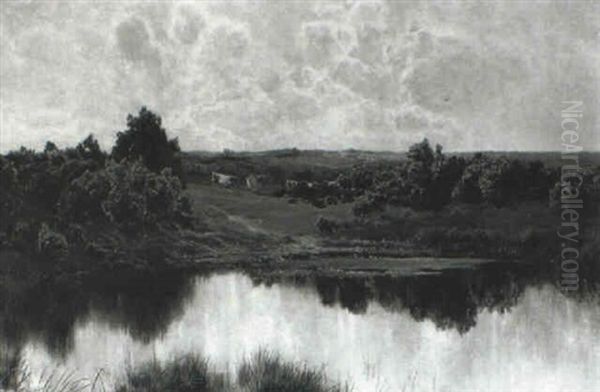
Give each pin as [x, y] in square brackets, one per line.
[267, 372]
[263, 372]
[16, 377]
[186, 374]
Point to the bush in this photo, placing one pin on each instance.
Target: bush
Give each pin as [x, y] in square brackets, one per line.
[82, 200]
[365, 207]
[138, 196]
[125, 193]
[51, 243]
[455, 240]
[80, 192]
[22, 234]
[326, 226]
[125, 204]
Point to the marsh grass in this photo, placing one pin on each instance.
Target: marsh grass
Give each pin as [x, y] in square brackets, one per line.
[189, 373]
[263, 372]
[267, 372]
[15, 376]
[13, 371]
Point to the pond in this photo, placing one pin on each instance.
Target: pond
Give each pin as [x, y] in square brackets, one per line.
[491, 329]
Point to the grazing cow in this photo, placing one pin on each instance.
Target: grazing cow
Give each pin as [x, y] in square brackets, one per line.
[253, 182]
[225, 180]
[290, 185]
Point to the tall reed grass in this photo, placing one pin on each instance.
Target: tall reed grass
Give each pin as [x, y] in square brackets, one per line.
[262, 372]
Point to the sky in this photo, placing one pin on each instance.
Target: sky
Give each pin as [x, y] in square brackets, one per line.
[375, 75]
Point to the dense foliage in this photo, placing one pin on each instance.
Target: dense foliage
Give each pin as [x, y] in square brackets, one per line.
[58, 201]
[430, 180]
[146, 139]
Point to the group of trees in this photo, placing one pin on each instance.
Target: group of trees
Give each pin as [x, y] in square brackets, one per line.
[430, 180]
[52, 198]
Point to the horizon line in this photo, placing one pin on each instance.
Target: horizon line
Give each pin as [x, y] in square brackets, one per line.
[378, 151]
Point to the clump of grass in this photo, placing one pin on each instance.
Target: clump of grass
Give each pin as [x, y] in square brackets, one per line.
[12, 370]
[15, 376]
[186, 374]
[263, 372]
[267, 372]
[64, 381]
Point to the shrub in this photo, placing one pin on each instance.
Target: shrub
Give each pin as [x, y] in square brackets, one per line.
[326, 226]
[23, 234]
[82, 200]
[138, 196]
[125, 204]
[51, 243]
[364, 207]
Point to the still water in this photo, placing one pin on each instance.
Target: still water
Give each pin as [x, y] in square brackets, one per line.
[447, 332]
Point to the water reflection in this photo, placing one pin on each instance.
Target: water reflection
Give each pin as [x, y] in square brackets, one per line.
[144, 305]
[449, 298]
[494, 328]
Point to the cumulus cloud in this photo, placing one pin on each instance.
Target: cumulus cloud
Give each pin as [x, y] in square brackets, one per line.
[260, 75]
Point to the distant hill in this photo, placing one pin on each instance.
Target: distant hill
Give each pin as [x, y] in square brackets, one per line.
[345, 158]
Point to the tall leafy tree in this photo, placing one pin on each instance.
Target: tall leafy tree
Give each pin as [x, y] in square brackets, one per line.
[146, 139]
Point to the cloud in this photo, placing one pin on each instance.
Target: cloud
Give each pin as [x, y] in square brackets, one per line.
[258, 75]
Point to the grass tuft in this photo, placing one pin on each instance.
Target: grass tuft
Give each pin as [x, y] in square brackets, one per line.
[267, 372]
[186, 374]
[263, 372]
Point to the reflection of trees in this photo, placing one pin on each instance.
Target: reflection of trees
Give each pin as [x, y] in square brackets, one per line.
[145, 308]
[144, 305]
[450, 299]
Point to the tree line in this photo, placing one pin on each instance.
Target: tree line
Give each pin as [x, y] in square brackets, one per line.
[57, 198]
[430, 180]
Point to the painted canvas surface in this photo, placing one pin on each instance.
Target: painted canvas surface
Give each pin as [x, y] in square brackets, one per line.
[299, 196]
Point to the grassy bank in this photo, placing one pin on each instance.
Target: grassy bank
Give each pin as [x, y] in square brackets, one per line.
[525, 231]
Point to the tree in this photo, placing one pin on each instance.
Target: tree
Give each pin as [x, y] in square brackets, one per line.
[50, 148]
[146, 139]
[467, 189]
[90, 149]
[446, 174]
[420, 172]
